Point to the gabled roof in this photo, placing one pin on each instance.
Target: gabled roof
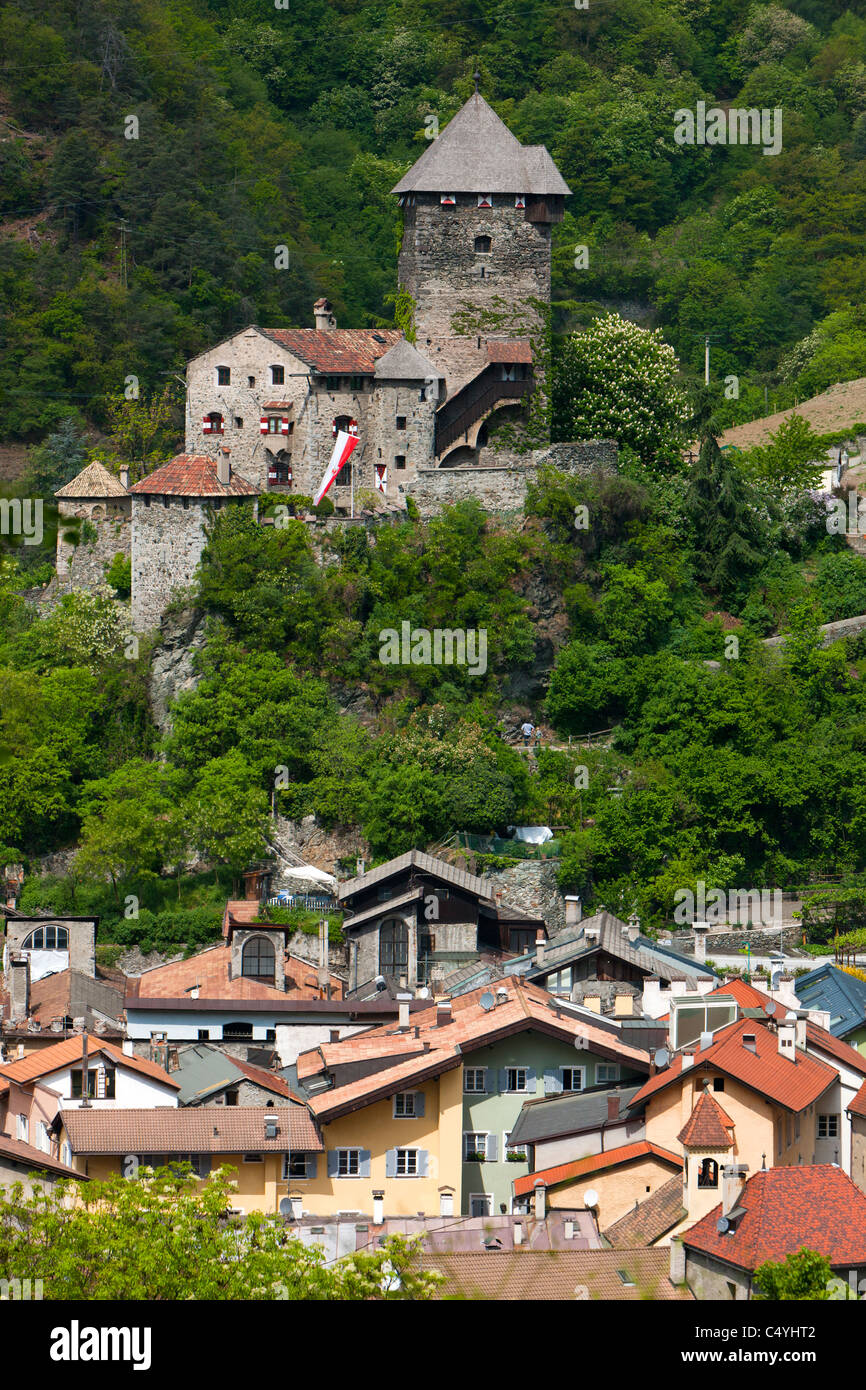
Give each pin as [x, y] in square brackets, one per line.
[708, 1127]
[403, 362]
[34, 1160]
[569, 1114]
[510, 350]
[612, 936]
[417, 859]
[650, 1219]
[517, 1275]
[72, 994]
[93, 481]
[477, 153]
[192, 1129]
[192, 475]
[793, 1084]
[858, 1104]
[337, 351]
[841, 994]
[209, 970]
[202, 1071]
[64, 1054]
[785, 1209]
[594, 1163]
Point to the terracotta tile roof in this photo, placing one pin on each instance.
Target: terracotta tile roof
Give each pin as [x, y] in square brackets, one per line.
[356, 1094]
[650, 1219]
[511, 350]
[192, 475]
[594, 1163]
[786, 1208]
[209, 969]
[555, 1275]
[708, 1127]
[63, 1054]
[789, 1083]
[93, 481]
[278, 405]
[858, 1104]
[59, 996]
[268, 1080]
[193, 1129]
[35, 1159]
[337, 351]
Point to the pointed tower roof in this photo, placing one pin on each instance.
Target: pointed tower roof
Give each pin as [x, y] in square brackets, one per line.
[708, 1127]
[93, 481]
[403, 362]
[477, 153]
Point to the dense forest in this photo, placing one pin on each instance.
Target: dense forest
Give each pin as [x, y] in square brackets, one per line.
[155, 154]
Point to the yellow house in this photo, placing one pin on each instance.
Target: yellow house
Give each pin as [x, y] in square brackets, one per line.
[262, 1145]
[608, 1183]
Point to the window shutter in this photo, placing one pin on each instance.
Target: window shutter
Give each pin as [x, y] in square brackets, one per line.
[206, 425]
[333, 1163]
[312, 1161]
[552, 1083]
[391, 1163]
[419, 1103]
[364, 1163]
[492, 1148]
[285, 428]
[263, 425]
[531, 1080]
[488, 1084]
[421, 1163]
[503, 1079]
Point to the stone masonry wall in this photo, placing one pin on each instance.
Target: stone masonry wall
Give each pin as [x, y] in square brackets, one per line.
[83, 566]
[167, 541]
[503, 489]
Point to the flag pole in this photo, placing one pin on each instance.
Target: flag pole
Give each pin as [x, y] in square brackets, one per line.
[352, 481]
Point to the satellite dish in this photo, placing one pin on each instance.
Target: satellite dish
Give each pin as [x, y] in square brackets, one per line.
[487, 1001]
[722, 1225]
[285, 1206]
[661, 1057]
[770, 1010]
[590, 1197]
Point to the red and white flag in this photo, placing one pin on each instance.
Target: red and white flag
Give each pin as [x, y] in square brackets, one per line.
[382, 477]
[343, 447]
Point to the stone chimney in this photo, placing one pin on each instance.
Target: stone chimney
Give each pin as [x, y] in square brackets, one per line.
[333, 1035]
[539, 947]
[224, 468]
[19, 987]
[732, 1185]
[443, 1013]
[540, 1200]
[592, 1002]
[403, 1012]
[678, 1261]
[324, 316]
[124, 475]
[573, 911]
[633, 930]
[700, 930]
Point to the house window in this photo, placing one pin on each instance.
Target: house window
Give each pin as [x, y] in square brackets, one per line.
[356, 383]
[242, 1032]
[474, 1079]
[44, 1137]
[270, 1035]
[708, 1173]
[718, 1083]
[572, 1078]
[295, 1167]
[224, 376]
[258, 961]
[213, 423]
[485, 200]
[474, 1146]
[251, 381]
[399, 460]
[514, 1153]
[480, 1203]
[407, 1163]
[47, 939]
[393, 947]
[348, 1163]
[278, 376]
[275, 424]
[606, 1071]
[105, 1090]
[204, 1035]
[516, 1079]
[66, 1155]
[521, 939]
[482, 244]
[404, 1105]
[401, 422]
[22, 1128]
[253, 1158]
[78, 1084]
[828, 1126]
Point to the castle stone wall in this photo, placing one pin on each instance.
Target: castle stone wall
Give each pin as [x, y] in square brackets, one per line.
[83, 565]
[503, 489]
[168, 537]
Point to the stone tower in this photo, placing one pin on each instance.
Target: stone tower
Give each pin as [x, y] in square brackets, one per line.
[477, 209]
[98, 498]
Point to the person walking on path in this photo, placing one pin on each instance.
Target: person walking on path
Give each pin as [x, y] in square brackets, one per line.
[526, 729]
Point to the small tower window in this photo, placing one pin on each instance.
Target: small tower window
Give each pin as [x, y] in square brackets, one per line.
[448, 200]
[239, 424]
[224, 376]
[401, 422]
[278, 376]
[251, 381]
[399, 460]
[708, 1173]
[482, 244]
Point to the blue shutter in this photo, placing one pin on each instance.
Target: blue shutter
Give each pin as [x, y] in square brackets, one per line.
[421, 1163]
[333, 1163]
[312, 1165]
[503, 1079]
[552, 1083]
[363, 1163]
[492, 1148]
[489, 1080]
[419, 1103]
[531, 1080]
[391, 1163]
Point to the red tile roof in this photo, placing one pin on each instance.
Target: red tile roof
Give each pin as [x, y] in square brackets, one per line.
[337, 351]
[858, 1104]
[191, 1129]
[594, 1163]
[63, 1054]
[793, 1084]
[561, 1275]
[708, 1127]
[817, 1206]
[35, 1160]
[650, 1219]
[209, 969]
[268, 1080]
[193, 475]
[514, 350]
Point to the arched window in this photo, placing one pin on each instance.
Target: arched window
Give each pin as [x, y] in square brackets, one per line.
[393, 947]
[258, 960]
[237, 1031]
[482, 244]
[708, 1173]
[212, 423]
[47, 939]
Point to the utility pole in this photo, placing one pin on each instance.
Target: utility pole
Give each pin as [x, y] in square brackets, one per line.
[124, 277]
[707, 360]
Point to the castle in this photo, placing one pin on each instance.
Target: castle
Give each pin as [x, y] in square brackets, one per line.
[263, 406]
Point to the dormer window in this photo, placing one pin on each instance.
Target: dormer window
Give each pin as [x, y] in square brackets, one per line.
[482, 245]
[224, 376]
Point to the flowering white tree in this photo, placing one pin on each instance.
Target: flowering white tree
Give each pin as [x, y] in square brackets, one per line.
[618, 381]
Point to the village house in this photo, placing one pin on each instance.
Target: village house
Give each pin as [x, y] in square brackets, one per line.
[606, 1183]
[208, 1076]
[560, 1128]
[264, 1148]
[839, 994]
[29, 1166]
[50, 943]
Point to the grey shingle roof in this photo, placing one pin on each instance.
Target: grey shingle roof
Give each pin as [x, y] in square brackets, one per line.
[403, 362]
[416, 858]
[477, 153]
[568, 1114]
[844, 996]
[645, 954]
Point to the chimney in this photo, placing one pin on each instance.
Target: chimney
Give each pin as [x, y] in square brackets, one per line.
[801, 1032]
[688, 1060]
[323, 316]
[19, 987]
[651, 1000]
[633, 929]
[539, 1201]
[568, 1231]
[224, 468]
[403, 1013]
[787, 1035]
[539, 947]
[613, 1108]
[443, 1013]
[124, 475]
[700, 930]
[378, 1208]
[820, 1018]
[623, 1006]
[592, 1002]
[784, 993]
[705, 985]
[333, 1035]
[128, 1047]
[678, 1261]
[732, 1185]
[518, 1233]
[573, 910]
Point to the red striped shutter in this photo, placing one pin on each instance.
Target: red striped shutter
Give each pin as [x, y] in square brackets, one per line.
[207, 425]
[263, 425]
[285, 429]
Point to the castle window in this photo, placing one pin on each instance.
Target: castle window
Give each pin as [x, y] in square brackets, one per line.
[239, 424]
[212, 423]
[399, 460]
[401, 422]
[47, 939]
[258, 961]
[186, 504]
[708, 1174]
[224, 376]
[240, 1032]
[278, 376]
[485, 200]
[520, 201]
[274, 424]
[356, 383]
[251, 381]
[165, 500]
